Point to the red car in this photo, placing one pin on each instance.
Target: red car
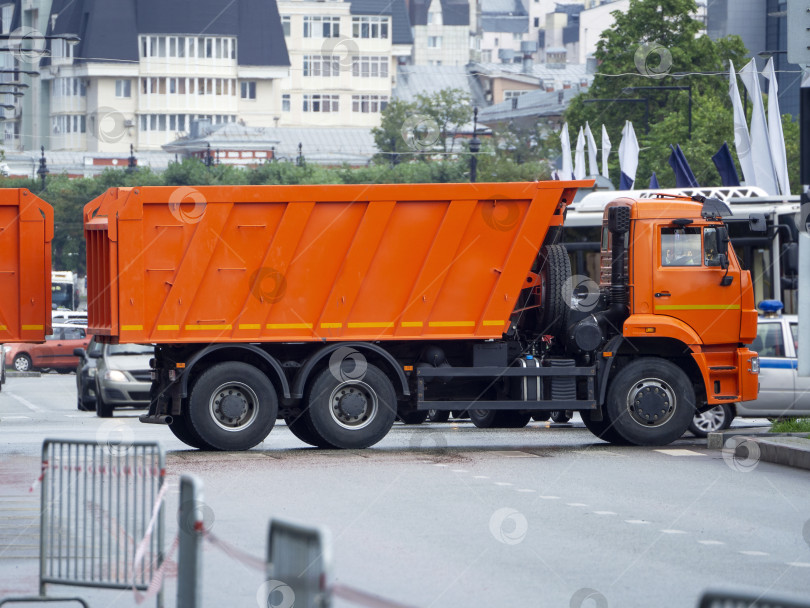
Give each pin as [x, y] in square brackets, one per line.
[55, 353]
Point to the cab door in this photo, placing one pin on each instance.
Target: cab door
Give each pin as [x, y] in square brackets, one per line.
[686, 283]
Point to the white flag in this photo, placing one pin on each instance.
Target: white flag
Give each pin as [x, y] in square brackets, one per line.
[579, 158]
[628, 157]
[593, 167]
[566, 172]
[742, 142]
[605, 152]
[776, 138]
[760, 150]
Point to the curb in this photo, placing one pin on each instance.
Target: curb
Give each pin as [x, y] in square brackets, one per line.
[792, 455]
[10, 374]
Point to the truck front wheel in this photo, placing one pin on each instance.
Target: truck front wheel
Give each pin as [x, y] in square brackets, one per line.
[351, 413]
[233, 406]
[651, 401]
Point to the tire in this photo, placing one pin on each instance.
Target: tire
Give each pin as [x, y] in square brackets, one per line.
[483, 419]
[438, 415]
[351, 413]
[499, 419]
[181, 428]
[541, 416]
[413, 417]
[560, 416]
[645, 390]
[103, 409]
[233, 406]
[555, 273]
[715, 419]
[82, 406]
[301, 427]
[603, 429]
[22, 363]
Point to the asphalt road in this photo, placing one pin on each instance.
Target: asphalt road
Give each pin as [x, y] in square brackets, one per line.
[449, 515]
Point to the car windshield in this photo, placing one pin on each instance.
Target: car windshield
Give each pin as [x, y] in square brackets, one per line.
[130, 349]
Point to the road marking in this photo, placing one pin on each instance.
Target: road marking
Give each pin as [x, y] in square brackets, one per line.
[576, 504]
[635, 521]
[679, 452]
[605, 513]
[711, 542]
[25, 402]
[526, 490]
[481, 477]
[668, 531]
[459, 470]
[754, 553]
[799, 564]
[550, 497]
[16, 418]
[502, 483]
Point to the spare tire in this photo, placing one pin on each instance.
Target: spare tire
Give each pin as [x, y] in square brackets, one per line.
[555, 276]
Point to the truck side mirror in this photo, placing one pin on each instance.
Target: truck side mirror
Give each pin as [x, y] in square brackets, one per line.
[79, 352]
[722, 242]
[757, 222]
[790, 258]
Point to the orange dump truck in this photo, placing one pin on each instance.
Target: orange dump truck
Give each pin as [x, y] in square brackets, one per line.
[26, 231]
[339, 308]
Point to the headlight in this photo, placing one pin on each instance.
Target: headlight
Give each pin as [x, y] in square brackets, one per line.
[114, 375]
[753, 365]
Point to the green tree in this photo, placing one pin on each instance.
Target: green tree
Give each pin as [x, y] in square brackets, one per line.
[389, 138]
[449, 109]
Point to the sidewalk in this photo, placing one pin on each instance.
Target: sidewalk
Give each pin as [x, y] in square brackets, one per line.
[790, 449]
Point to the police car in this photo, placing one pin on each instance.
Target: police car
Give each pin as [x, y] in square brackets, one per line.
[782, 392]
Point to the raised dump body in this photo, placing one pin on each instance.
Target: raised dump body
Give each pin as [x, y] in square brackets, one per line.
[26, 231]
[312, 263]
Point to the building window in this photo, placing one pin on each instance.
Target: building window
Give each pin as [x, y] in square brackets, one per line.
[434, 18]
[182, 46]
[73, 123]
[435, 42]
[370, 27]
[321, 65]
[370, 67]
[321, 27]
[249, 90]
[123, 88]
[510, 93]
[285, 102]
[369, 103]
[537, 22]
[321, 103]
[285, 25]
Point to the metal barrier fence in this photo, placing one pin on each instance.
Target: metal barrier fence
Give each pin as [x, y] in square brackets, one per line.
[98, 503]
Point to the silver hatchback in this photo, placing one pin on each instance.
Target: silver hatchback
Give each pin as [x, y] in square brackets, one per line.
[123, 377]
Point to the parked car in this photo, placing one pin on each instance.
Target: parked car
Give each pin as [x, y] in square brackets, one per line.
[72, 317]
[782, 392]
[123, 377]
[55, 353]
[86, 375]
[2, 367]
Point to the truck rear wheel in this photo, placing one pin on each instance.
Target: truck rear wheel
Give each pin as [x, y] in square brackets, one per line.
[555, 272]
[499, 419]
[301, 426]
[438, 415]
[603, 429]
[413, 417]
[651, 401]
[354, 413]
[180, 426]
[233, 406]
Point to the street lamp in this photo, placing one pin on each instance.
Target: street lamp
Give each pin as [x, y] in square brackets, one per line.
[669, 88]
[43, 169]
[475, 147]
[643, 100]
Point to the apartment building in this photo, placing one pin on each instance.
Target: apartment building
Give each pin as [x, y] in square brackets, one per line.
[343, 59]
[145, 69]
[442, 31]
[504, 25]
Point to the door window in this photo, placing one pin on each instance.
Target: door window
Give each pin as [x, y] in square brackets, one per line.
[769, 342]
[56, 335]
[680, 247]
[74, 333]
[794, 332]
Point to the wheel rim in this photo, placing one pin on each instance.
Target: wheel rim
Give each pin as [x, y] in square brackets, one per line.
[353, 405]
[651, 402]
[233, 406]
[21, 364]
[711, 420]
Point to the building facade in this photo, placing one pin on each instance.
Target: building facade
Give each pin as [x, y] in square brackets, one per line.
[441, 32]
